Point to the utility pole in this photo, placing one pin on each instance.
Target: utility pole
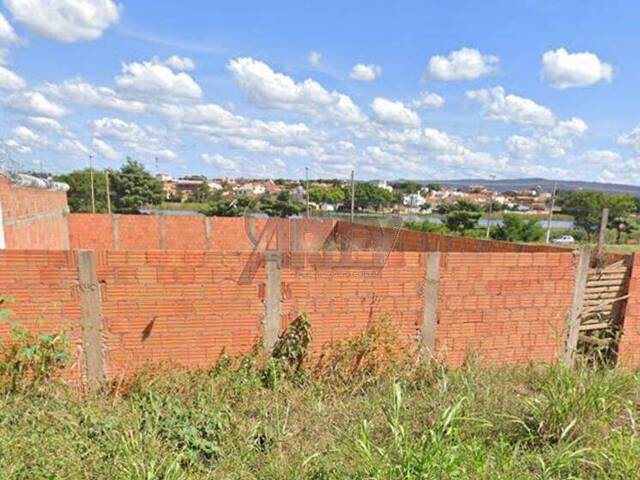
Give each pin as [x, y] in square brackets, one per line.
[306, 174]
[553, 204]
[157, 167]
[93, 193]
[493, 177]
[602, 236]
[108, 192]
[353, 193]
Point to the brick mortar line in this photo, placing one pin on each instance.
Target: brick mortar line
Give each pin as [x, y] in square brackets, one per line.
[8, 222]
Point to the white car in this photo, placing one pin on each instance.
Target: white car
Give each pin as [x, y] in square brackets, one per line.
[564, 240]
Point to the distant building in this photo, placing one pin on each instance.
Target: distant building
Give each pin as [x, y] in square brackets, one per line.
[383, 184]
[413, 200]
[250, 188]
[298, 194]
[168, 186]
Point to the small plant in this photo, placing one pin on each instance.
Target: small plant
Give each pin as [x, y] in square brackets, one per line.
[30, 358]
[293, 344]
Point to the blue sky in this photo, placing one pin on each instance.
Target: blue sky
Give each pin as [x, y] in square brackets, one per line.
[412, 89]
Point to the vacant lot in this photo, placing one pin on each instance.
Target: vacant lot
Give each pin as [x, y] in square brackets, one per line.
[367, 409]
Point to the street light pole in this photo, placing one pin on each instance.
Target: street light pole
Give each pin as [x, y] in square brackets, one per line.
[493, 177]
[553, 204]
[353, 194]
[93, 193]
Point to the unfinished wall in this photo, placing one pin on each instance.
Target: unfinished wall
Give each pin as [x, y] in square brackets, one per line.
[33, 218]
[508, 308]
[45, 287]
[629, 346]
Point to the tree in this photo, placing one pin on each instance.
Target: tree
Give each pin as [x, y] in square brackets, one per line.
[79, 194]
[459, 221]
[133, 187]
[462, 205]
[406, 188]
[426, 226]
[281, 206]
[229, 207]
[434, 187]
[332, 196]
[586, 208]
[202, 192]
[515, 228]
[369, 196]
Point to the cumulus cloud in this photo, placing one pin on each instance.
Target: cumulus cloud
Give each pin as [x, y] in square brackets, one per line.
[498, 105]
[10, 80]
[428, 100]
[45, 123]
[180, 64]
[27, 136]
[142, 140]
[102, 148]
[269, 89]
[390, 112]
[562, 69]
[7, 33]
[599, 157]
[365, 73]
[553, 142]
[631, 139]
[314, 59]
[463, 64]
[154, 79]
[82, 93]
[35, 104]
[65, 20]
[222, 163]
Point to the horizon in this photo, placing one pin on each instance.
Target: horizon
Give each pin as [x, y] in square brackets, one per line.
[419, 91]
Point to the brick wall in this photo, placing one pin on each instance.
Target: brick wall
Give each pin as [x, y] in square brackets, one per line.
[507, 307]
[44, 285]
[190, 306]
[186, 307]
[629, 346]
[33, 218]
[151, 232]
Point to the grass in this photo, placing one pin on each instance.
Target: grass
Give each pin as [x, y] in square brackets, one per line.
[368, 409]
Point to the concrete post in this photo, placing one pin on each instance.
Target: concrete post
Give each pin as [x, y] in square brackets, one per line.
[3, 244]
[91, 320]
[430, 298]
[115, 232]
[577, 305]
[163, 232]
[65, 229]
[207, 233]
[272, 300]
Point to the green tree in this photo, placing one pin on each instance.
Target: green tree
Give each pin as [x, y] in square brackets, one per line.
[331, 196]
[132, 188]
[515, 228]
[459, 221]
[586, 206]
[202, 193]
[228, 207]
[79, 194]
[406, 188]
[281, 206]
[426, 226]
[368, 196]
[434, 187]
[462, 205]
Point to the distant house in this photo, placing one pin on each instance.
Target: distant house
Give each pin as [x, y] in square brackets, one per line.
[298, 194]
[168, 186]
[250, 189]
[413, 200]
[383, 184]
[271, 187]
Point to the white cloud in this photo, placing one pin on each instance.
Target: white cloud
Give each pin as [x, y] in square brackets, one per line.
[428, 100]
[223, 163]
[71, 147]
[153, 79]
[553, 142]
[279, 163]
[314, 59]
[390, 112]
[463, 64]
[269, 89]
[562, 69]
[180, 64]
[599, 157]
[48, 123]
[631, 139]
[498, 105]
[17, 147]
[34, 103]
[7, 33]
[82, 93]
[25, 136]
[365, 73]
[10, 80]
[104, 149]
[65, 20]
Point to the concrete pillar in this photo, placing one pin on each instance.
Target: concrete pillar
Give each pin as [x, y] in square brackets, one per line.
[91, 320]
[3, 244]
[65, 229]
[577, 304]
[163, 232]
[430, 298]
[208, 230]
[115, 231]
[272, 300]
